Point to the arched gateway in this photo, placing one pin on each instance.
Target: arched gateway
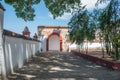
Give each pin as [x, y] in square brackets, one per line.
[54, 42]
[54, 38]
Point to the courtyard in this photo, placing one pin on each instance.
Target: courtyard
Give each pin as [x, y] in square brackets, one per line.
[58, 28]
[62, 66]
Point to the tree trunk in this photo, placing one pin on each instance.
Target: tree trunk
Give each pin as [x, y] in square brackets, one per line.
[103, 54]
[86, 47]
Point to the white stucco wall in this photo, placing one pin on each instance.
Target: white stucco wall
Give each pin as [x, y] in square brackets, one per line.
[43, 43]
[54, 43]
[2, 63]
[18, 50]
[91, 46]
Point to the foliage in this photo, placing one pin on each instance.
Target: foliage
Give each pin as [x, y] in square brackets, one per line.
[81, 27]
[24, 8]
[76, 26]
[59, 7]
[109, 24]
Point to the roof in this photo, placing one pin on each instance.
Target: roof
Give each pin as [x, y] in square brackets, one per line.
[62, 27]
[1, 6]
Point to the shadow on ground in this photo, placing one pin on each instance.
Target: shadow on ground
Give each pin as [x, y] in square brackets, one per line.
[62, 66]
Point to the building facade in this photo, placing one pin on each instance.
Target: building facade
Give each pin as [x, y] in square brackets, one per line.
[54, 38]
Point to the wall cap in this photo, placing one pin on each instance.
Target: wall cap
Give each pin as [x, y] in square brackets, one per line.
[13, 34]
[61, 27]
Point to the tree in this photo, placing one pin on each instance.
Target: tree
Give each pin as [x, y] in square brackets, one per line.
[82, 27]
[109, 24]
[95, 18]
[24, 8]
[118, 42]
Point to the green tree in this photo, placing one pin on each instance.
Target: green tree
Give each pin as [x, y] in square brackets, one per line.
[76, 30]
[109, 24]
[82, 27]
[24, 8]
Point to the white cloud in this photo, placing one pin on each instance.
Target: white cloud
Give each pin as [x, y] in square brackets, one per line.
[66, 16]
[90, 4]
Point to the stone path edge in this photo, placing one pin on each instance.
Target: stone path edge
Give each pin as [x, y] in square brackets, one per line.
[110, 64]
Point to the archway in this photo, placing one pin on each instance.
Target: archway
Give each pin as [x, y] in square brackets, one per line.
[57, 39]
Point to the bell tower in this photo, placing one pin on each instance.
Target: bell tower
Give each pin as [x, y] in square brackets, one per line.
[26, 32]
[35, 36]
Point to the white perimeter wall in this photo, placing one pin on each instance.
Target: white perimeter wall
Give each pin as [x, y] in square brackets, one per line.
[2, 63]
[43, 44]
[91, 46]
[18, 50]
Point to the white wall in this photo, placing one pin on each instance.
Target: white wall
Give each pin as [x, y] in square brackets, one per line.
[18, 50]
[43, 43]
[91, 46]
[2, 63]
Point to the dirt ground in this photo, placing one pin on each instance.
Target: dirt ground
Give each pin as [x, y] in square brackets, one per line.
[98, 53]
[63, 66]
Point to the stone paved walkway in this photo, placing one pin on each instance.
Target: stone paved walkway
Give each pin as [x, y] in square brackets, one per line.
[63, 66]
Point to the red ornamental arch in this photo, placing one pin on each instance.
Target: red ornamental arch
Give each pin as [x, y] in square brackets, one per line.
[47, 40]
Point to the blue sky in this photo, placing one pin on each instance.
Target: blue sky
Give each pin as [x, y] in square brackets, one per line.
[43, 17]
